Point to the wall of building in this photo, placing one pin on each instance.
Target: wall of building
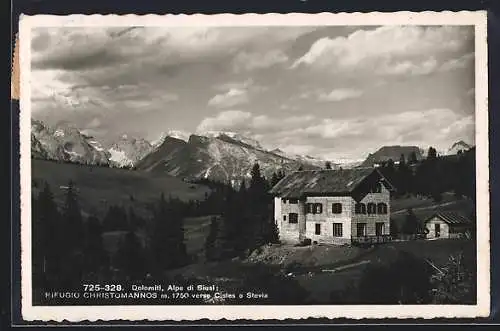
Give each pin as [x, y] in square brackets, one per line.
[371, 220]
[289, 232]
[327, 218]
[444, 228]
[306, 225]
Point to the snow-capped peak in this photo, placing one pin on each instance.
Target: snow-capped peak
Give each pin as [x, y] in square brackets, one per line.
[233, 135]
[177, 134]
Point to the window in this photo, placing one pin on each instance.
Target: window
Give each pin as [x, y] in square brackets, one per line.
[381, 208]
[377, 188]
[317, 229]
[314, 208]
[293, 201]
[360, 208]
[379, 228]
[372, 208]
[283, 200]
[293, 218]
[337, 229]
[361, 229]
[336, 208]
[284, 217]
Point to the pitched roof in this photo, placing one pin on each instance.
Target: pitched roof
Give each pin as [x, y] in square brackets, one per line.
[310, 182]
[451, 217]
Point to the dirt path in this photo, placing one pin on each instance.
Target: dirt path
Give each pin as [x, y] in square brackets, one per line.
[339, 265]
[401, 211]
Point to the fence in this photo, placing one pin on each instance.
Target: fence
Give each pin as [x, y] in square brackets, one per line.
[371, 239]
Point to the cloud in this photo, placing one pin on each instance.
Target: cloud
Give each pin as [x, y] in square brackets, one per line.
[231, 98]
[465, 61]
[251, 124]
[95, 123]
[385, 46]
[353, 138]
[225, 121]
[119, 74]
[340, 94]
[79, 48]
[407, 67]
[234, 93]
[412, 127]
[235, 85]
[246, 61]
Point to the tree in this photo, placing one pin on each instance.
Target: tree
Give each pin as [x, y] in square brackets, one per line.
[95, 255]
[167, 241]
[411, 224]
[211, 249]
[72, 219]
[432, 153]
[130, 256]
[301, 168]
[272, 233]
[412, 158]
[116, 219]
[260, 213]
[281, 174]
[328, 165]
[274, 179]
[46, 237]
[390, 165]
[243, 186]
[404, 181]
[134, 221]
[73, 239]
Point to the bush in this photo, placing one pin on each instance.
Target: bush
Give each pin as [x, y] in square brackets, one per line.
[454, 283]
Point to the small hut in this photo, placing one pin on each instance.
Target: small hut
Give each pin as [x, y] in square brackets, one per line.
[448, 224]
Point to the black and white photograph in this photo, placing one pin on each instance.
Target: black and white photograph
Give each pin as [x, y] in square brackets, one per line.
[254, 167]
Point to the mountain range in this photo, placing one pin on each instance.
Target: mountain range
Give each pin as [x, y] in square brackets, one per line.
[223, 156]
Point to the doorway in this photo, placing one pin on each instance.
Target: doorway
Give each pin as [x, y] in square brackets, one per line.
[437, 230]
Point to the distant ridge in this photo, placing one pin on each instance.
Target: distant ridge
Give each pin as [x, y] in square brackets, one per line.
[459, 146]
[386, 153]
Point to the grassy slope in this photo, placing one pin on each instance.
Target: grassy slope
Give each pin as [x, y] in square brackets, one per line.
[425, 208]
[100, 187]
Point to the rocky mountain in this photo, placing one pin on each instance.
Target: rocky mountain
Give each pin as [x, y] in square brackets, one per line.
[233, 135]
[459, 146]
[177, 134]
[307, 159]
[391, 152]
[219, 157]
[64, 142]
[127, 151]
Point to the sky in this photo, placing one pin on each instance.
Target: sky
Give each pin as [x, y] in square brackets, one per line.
[334, 92]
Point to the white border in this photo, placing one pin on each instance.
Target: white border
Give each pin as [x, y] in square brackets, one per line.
[177, 313]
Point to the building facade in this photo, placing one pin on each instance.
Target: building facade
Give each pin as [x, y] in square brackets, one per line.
[448, 225]
[333, 206]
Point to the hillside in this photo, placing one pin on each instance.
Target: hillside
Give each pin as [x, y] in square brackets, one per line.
[100, 187]
[386, 153]
[221, 158]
